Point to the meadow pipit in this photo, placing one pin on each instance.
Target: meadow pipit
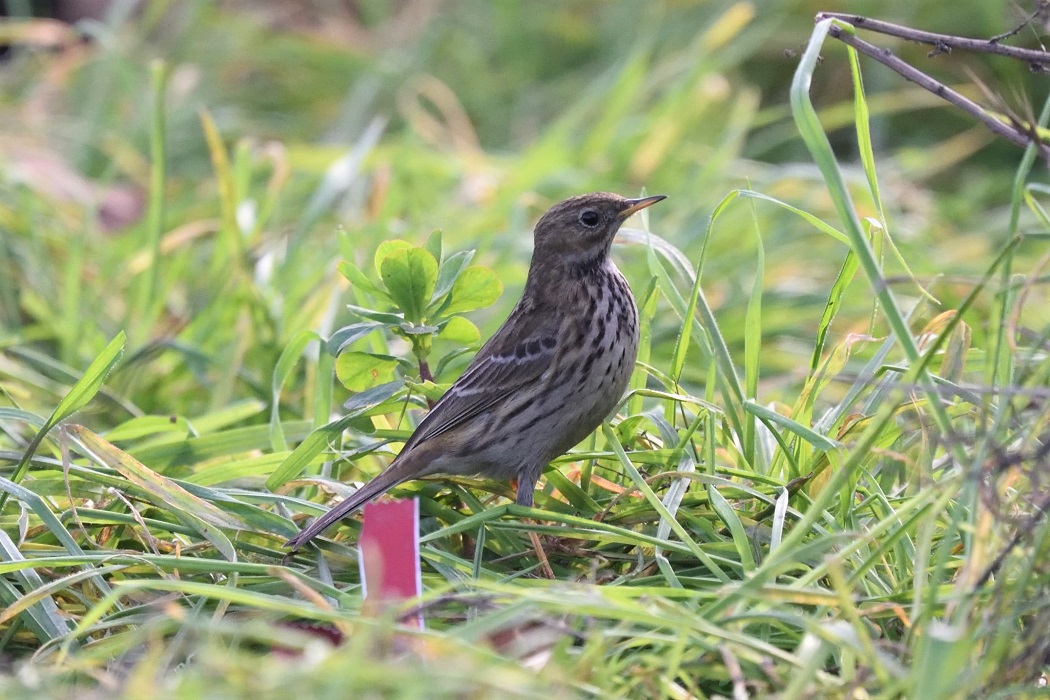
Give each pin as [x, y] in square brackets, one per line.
[548, 377]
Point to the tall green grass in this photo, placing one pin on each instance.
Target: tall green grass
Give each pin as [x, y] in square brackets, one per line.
[827, 480]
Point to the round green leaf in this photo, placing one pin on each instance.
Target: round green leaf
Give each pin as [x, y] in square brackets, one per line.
[358, 371]
[386, 248]
[475, 288]
[433, 245]
[460, 330]
[448, 272]
[349, 334]
[409, 275]
[357, 278]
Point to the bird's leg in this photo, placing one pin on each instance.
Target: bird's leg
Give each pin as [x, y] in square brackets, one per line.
[526, 492]
[525, 483]
[537, 547]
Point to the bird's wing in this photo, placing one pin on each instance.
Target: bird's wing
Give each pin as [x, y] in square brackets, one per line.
[525, 347]
[529, 344]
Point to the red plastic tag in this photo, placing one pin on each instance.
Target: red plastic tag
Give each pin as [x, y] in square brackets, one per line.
[389, 553]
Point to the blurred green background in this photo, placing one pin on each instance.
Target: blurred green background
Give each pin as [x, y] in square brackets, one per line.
[192, 172]
[393, 119]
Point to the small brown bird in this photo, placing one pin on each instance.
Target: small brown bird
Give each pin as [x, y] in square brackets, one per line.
[553, 371]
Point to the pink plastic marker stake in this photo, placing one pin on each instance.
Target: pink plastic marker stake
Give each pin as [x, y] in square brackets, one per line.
[388, 553]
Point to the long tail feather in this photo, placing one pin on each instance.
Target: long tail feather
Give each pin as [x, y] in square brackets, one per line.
[395, 474]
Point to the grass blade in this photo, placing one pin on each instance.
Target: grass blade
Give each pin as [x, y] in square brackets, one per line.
[82, 392]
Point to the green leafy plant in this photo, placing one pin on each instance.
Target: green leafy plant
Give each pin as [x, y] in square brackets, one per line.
[428, 295]
[425, 295]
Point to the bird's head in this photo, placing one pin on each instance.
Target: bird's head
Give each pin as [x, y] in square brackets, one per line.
[580, 230]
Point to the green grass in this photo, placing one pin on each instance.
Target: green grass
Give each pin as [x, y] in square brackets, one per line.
[828, 480]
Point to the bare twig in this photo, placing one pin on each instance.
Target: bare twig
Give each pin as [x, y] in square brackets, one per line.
[1039, 12]
[942, 43]
[1017, 134]
[1042, 507]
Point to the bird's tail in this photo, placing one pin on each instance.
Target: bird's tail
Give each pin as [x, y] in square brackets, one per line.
[397, 472]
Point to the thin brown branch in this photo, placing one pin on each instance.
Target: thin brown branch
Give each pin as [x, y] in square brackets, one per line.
[942, 43]
[426, 376]
[1018, 136]
[1039, 13]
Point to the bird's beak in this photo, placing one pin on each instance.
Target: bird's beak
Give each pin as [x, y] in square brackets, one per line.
[634, 205]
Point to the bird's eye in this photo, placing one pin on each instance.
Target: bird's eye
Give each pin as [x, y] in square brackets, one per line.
[589, 218]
